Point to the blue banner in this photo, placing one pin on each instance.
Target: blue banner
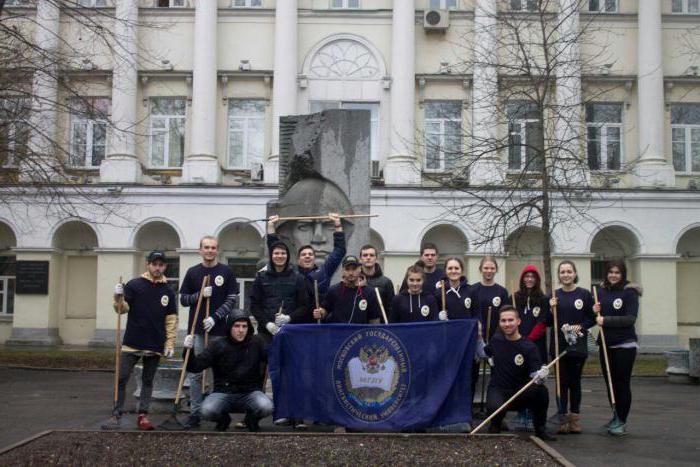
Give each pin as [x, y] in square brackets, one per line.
[378, 377]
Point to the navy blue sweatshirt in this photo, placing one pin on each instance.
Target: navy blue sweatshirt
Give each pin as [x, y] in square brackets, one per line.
[149, 305]
[457, 300]
[574, 307]
[356, 305]
[533, 320]
[223, 297]
[514, 361]
[619, 306]
[485, 296]
[407, 308]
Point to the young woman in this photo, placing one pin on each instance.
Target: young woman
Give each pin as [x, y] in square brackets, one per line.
[457, 301]
[414, 305]
[533, 306]
[617, 312]
[574, 310]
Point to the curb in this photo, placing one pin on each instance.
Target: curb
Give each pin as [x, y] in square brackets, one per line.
[551, 451]
[70, 370]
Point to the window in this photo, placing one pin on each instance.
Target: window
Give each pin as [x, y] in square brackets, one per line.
[172, 273]
[7, 285]
[443, 129]
[92, 3]
[373, 107]
[246, 132]
[247, 3]
[345, 3]
[524, 5]
[88, 131]
[685, 137]
[16, 2]
[602, 6]
[525, 136]
[685, 6]
[244, 269]
[442, 4]
[604, 136]
[170, 3]
[14, 130]
[167, 132]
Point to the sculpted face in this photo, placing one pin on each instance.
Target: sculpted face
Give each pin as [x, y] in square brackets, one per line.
[318, 234]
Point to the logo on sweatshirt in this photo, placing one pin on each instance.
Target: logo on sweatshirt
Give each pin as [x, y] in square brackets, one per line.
[578, 304]
[164, 300]
[467, 302]
[496, 301]
[363, 304]
[536, 311]
[371, 375]
[519, 359]
[425, 311]
[617, 304]
[219, 280]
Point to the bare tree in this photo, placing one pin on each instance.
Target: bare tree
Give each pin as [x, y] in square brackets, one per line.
[521, 160]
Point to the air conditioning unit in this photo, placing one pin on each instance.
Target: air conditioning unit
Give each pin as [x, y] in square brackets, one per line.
[256, 172]
[374, 170]
[436, 20]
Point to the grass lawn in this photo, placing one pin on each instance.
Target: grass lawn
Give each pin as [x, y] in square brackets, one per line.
[645, 365]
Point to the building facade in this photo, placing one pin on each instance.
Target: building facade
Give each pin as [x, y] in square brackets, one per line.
[190, 144]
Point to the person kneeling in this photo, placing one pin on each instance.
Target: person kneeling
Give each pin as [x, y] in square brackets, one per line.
[237, 363]
[515, 361]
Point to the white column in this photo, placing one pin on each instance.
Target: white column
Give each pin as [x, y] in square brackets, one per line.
[652, 169]
[121, 164]
[284, 84]
[402, 167]
[202, 165]
[42, 142]
[487, 167]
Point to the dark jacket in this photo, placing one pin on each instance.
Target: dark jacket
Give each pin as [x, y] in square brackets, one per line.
[223, 298]
[238, 366]
[409, 308]
[382, 283]
[485, 298]
[272, 290]
[431, 278]
[324, 273]
[152, 320]
[574, 307]
[357, 305]
[619, 305]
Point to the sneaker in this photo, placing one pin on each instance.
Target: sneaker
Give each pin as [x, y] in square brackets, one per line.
[618, 429]
[300, 425]
[143, 423]
[282, 422]
[192, 422]
[223, 422]
[240, 425]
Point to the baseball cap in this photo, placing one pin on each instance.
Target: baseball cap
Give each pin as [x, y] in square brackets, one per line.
[351, 260]
[155, 255]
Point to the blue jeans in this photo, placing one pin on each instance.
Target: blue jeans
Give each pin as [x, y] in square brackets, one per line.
[196, 378]
[255, 404]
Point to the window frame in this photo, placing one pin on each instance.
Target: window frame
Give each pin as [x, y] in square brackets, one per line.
[523, 145]
[246, 160]
[602, 4]
[524, 6]
[247, 4]
[603, 127]
[7, 281]
[685, 8]
[23, 104]
[443, 5]
[166, 147]
[171, 4]
[92, 3]
[344, 5]
[91, 123]
[442, 121]
[688, 129]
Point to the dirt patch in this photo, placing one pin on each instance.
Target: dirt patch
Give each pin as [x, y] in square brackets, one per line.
[159, 448]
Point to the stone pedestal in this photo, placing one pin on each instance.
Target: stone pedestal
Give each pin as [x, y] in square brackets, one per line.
[201, 169]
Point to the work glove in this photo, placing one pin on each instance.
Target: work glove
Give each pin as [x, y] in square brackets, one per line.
[189, 341]
[480, 354]
[541, 374]
[208, 324]
[272, 328]
[281, 319]
[169, 353]
[206, 291]
[571, 333]
[119, 289]
[443, 315]
[491, 362]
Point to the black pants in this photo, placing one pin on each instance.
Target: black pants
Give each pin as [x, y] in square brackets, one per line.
[535, 398]
[150, 365]
[621, 364]
[570, 369]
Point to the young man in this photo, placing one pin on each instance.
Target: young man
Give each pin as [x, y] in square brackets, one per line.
[433, 274]
[222, 293]
[306, 261]
[150, 330]
[374, 276]
[238, 364]
[347, 302]
[515, 361]
[279, 294]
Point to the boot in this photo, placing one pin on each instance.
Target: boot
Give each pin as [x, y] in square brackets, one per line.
[564, 424]
[223, 422]
[574, 423]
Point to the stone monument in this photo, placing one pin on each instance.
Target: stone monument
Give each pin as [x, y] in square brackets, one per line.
[324, 167]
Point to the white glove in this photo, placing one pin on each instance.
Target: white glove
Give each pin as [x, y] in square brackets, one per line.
[272, 328]
[119, 289]
[282, 319]
[443, 315]
[208, 324]
[189, 341]
[169, 353]
[206, 292]
[491, 362]
[541, 374]
[480, 354]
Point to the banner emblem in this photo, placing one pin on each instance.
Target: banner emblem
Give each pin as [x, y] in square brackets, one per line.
[371, 375]
[219, 280]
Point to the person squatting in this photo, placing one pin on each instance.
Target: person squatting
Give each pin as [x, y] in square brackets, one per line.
[512, 328]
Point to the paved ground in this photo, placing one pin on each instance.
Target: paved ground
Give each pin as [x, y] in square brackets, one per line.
[663, 424]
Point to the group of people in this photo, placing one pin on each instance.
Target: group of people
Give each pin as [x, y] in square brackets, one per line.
[512, 327]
